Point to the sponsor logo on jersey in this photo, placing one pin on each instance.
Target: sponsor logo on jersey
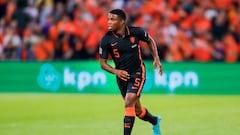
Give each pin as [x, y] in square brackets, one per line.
[133, 46]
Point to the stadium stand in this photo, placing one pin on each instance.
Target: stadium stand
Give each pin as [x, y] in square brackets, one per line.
[185, 30]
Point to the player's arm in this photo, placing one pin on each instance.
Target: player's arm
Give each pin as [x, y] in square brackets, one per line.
[144, 36]
[104, 51]
[120, 73]
[106, 66]
[153, 48]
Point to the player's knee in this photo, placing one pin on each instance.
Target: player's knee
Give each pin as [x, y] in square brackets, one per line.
[129, 104]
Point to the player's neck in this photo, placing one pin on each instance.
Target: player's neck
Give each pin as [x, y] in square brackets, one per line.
[121, 31]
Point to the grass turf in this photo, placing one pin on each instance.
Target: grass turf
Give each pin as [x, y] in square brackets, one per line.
[76, 114]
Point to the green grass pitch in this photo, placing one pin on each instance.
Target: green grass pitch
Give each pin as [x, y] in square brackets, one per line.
[83, 114]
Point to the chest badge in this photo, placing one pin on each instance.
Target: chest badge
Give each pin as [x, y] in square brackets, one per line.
[132, 40]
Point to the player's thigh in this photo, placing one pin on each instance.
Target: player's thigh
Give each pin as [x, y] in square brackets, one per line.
[131, 99]
[122, 85]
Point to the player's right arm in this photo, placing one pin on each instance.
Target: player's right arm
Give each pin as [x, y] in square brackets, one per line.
[104, 51]
[122, 74]
[106, 66]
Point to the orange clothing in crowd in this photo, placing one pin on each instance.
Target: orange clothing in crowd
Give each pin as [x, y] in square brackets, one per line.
[188, 22]
[11, 7]
[24, 55]
[44, 50]
[139, 21]
[102, 20]
[40, 52]
[231, 49]
[81, 28]
[65, 44]
[176, 54]
[202, 54]
[49, 46]
[184, 24]
[53, 33]
[174, 17]
[78, 46]
[148, 8]
[233, 17]
[65, 47]
[26, 33]
[202, 24]
[3, 1]
[172, 3]
[186, 47]
[223, 3]
[65, 26]
[1, 39]
[94, 38]
[202, 50]
[239, 51]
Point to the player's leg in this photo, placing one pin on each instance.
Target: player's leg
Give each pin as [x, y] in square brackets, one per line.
[144, 114]
[129, 118]
[129, 99]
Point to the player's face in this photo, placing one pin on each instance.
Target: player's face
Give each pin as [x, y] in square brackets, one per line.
[114, 22]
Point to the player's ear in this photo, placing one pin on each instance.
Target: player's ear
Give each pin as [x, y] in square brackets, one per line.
[122, 21]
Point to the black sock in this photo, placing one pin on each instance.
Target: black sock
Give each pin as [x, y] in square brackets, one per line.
[128, 124]
[146, 116]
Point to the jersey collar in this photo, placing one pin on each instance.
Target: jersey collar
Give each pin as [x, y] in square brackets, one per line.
[127, 33]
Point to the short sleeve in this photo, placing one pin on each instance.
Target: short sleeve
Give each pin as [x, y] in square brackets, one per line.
[142, 34]
[103, 48]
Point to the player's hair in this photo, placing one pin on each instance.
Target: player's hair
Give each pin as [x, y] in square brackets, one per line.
[120, 13]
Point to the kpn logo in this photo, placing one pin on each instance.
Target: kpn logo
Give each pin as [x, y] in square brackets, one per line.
[176, 79]
[49, 78]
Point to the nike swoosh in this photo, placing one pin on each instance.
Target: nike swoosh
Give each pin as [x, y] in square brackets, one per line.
[133, 46]
[113, 44]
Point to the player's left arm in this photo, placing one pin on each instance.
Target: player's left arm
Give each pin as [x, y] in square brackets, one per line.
[153, 48]
[144, 36]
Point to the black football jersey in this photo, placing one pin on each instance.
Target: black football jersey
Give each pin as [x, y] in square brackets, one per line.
[125, 51]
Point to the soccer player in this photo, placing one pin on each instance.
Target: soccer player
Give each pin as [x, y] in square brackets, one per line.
[121, 42]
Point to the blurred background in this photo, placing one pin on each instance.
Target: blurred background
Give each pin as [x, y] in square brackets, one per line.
[185, 30]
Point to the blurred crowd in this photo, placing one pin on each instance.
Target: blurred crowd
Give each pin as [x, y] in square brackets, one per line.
[184, 30]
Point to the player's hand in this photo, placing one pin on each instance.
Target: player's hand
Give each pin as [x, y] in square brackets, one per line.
[157, 64]
[122, 74]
